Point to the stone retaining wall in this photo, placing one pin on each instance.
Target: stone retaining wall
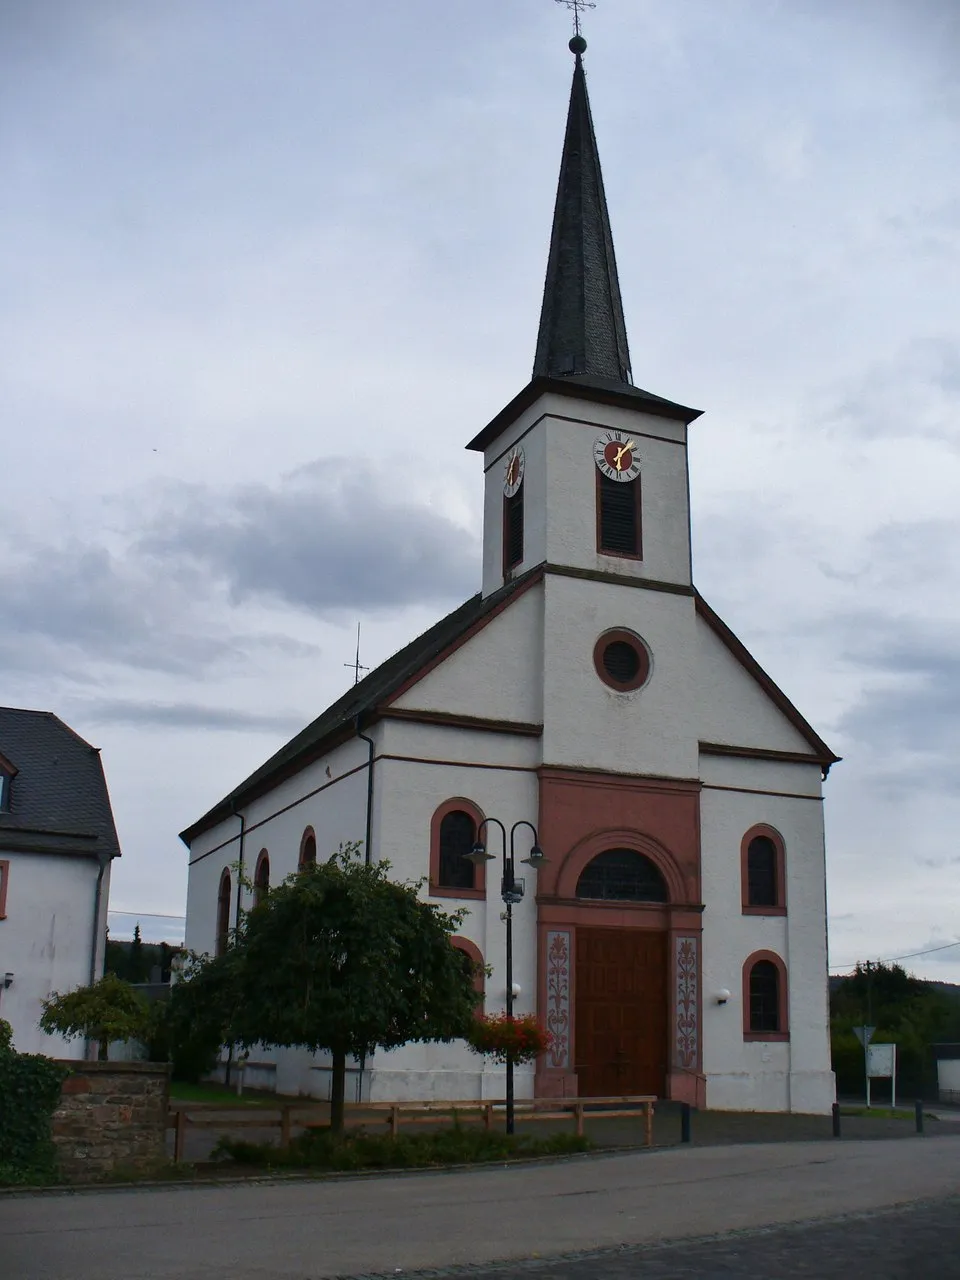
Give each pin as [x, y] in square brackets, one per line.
[111, 1119]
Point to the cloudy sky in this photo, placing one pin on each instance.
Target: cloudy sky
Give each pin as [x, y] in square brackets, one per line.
[266, 267]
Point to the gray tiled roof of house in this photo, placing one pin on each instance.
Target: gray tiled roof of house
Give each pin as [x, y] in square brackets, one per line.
[58, 798]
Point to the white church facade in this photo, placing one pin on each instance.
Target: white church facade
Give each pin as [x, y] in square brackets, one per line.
[674, 942]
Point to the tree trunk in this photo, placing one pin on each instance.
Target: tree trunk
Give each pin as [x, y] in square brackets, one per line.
[102, 1052]
[337, 1090]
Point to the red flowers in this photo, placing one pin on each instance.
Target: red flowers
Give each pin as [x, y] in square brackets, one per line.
[497, 1035]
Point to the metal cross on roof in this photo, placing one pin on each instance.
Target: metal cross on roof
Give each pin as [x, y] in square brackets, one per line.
[576, 6]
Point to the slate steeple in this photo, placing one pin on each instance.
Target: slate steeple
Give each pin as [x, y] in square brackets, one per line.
[582, 329]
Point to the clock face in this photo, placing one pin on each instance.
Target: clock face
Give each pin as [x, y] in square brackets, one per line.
[615, 453]
[513, 472]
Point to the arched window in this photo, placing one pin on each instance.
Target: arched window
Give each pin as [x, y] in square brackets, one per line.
[622, 875]
[765, 997]
[473, 954]
[308, 849]
[223, 913]
[261, 878]
[453, 833]
[763, 883]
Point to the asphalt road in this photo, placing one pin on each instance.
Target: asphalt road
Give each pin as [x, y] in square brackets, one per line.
[396, 1224]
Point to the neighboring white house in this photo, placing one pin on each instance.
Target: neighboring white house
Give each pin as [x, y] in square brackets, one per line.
[57, 843]
[675, 941]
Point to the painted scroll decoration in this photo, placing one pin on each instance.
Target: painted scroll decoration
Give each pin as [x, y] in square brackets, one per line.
[688, 1031]
[558, 998]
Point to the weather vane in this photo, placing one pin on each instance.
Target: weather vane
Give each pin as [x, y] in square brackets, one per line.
[576, 6]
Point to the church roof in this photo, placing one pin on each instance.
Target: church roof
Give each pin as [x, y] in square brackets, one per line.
[582, 329]
[341, 720]
[58, 798]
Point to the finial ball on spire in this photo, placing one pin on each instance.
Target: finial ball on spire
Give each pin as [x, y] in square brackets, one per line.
[578, 45]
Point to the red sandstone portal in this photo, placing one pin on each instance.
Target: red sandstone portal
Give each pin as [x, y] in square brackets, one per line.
[619, 982]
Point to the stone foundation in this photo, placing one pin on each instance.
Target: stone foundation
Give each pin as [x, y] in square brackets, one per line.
[111, 1119]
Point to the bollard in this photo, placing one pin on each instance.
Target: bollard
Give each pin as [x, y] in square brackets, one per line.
[918, 1111]
[836, 1119]
[684, 1121]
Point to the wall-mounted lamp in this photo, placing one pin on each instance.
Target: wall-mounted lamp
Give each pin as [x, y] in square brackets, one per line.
[516, 989]
[7, 980]
[722, 996]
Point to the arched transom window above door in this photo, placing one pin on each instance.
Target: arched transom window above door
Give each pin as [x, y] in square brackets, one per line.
[622, 875]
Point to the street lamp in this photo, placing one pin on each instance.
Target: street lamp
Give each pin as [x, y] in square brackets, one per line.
[511, 891]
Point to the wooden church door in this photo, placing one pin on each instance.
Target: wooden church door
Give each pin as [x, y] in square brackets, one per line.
[621, 1012]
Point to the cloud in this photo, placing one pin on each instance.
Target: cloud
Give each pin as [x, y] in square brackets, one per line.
[186, 715]
[337, 534]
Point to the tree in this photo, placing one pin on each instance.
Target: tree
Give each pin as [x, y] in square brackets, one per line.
[339, 958]
[107, 1010]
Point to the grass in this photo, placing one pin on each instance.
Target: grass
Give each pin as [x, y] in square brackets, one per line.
[321, 1150]
[180, 1091]
[883, 1113]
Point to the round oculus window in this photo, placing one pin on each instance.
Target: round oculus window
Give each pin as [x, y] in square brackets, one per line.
[621, 660]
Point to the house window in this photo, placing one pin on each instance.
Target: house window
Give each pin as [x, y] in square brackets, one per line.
[618, 517]
[453, 833]
[763, 884]
[765, 997]
[308, 849]
[512, 530]
[622, 875]
[4, 880]
[223, 913]
[261, 878]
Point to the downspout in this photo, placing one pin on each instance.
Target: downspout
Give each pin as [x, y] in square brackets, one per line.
[371, 748]
[104, 860]
[367, 852]
[236, 923]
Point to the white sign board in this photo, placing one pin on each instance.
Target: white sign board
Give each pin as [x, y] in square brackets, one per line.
[881, 1061]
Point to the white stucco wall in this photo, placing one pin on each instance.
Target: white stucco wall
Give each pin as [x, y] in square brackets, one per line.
[496, 674]
[764, 1076]
[46, 941]
[588, 724]
[557, 435]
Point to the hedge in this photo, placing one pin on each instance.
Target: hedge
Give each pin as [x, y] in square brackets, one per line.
[29, 1093]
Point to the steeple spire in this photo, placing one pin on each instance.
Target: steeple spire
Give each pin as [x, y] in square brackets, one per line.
[582, 329]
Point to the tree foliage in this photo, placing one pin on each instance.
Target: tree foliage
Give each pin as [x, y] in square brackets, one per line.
[906, 1011]
[341, 959]
[108, 1009]
[29, 1093]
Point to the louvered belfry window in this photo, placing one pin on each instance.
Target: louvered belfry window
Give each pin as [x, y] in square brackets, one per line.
[618, 521]
[513, 530]
[458, 833]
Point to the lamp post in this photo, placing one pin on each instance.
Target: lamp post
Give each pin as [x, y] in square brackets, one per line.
[511, 891]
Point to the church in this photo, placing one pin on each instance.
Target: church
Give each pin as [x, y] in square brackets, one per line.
[589, 701]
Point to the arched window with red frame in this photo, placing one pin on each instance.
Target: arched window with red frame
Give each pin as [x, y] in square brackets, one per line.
[763, 872]
[765, 997]
[223, 913]
[475, 956]
[261, 878]
[453, 833]
[308, 849]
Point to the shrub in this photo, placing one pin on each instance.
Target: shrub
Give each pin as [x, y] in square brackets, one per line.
[30, 1090]
[499, 1034]
[322, 1149]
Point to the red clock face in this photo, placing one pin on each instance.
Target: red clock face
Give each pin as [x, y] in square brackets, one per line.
[615, 453]
[618, 457]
